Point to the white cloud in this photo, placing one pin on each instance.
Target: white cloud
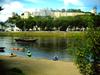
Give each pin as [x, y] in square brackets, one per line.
[9, 8]
[73, 2]
[13, 6]
[35, 1]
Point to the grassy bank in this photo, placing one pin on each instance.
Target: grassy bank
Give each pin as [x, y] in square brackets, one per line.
[44, 34]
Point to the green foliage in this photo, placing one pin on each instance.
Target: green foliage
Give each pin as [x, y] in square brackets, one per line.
[88, 53]
[74, 10]
[48, 23]
[15, 71]
[96, 20]
[1, 8]
[84, 61]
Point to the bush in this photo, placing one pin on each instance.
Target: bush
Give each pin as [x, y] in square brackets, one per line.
[88, 56]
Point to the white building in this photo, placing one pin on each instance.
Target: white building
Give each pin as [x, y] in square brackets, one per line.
[12, 28]
[94, 11]
[37, 12]
[54, 13]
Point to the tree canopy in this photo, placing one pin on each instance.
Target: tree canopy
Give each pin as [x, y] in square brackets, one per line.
[50, 23]
[1, 8]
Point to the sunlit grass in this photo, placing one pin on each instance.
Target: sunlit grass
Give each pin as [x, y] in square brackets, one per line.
[60, 34]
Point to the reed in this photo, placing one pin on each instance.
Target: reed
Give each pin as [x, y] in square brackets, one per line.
[59, 34]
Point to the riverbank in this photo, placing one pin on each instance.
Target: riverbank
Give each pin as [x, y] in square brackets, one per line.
[60, 34]
[30, 66]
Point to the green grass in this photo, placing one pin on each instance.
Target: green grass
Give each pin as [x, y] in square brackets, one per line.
[44, 34]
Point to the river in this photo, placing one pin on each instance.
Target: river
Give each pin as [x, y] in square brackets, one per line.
[45, 48]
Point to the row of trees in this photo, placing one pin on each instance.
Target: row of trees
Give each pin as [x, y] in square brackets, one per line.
[49, 23]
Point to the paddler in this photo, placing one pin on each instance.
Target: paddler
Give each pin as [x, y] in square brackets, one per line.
[29, 54]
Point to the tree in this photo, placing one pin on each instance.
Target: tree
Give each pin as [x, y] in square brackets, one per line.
[21, 24]
[30, 23]
[63, 10]
[88, 55]
[99, 13]
[74, 10]
[2, 26]
[1, 8]
[14, 19]
[96, 19]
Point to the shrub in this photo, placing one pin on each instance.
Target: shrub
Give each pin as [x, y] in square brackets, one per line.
[87, 57]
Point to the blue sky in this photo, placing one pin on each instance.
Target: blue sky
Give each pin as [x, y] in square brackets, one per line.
[20, 6]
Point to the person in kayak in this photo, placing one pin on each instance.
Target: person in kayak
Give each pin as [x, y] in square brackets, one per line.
[29, 54]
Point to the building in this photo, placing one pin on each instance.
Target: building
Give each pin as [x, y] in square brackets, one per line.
[26, 14]
[94, 10]
[36, 12]
[57, 13]
[12, 28]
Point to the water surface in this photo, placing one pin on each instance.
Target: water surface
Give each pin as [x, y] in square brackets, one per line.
[43, 48]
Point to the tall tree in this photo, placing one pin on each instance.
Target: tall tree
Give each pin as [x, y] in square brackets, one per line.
[1, 8]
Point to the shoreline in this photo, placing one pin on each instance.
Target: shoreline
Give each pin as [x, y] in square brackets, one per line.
[56, 34]
[32, 66]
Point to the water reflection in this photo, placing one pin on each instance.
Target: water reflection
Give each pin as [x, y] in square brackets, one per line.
[43, 48]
